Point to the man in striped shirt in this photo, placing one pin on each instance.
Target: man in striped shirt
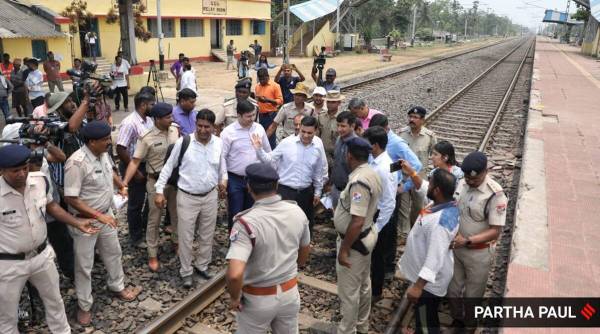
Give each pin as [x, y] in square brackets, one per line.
[132, 127]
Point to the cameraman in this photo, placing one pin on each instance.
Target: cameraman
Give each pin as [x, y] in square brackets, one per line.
[287, 82]
[329, 83]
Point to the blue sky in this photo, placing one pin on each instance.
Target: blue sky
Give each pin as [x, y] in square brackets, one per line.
[525, 12]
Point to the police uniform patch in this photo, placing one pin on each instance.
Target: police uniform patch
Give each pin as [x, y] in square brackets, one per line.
[233, 236]
[356, 197]
[500, 208]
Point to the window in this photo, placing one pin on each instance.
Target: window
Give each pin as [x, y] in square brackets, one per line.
[258, 27]
[192, 28]
[234, 27]
[39, 49]
[168, 27]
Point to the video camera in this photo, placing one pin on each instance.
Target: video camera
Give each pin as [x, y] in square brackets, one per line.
[52, 130]
[319, 62]
[88, 75]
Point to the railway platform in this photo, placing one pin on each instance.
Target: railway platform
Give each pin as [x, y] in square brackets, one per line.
[556, 241]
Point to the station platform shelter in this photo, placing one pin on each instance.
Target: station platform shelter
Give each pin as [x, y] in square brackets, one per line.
[556, 242]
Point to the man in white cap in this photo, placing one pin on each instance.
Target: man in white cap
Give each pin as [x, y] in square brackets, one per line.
[318, 103]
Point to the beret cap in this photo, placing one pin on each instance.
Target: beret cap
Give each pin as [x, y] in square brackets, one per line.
[95, 130]
[14, 155]
[244, 83]
[474, 163]
[360, 143]
[161, 109]
[261, 173]
[417, 110]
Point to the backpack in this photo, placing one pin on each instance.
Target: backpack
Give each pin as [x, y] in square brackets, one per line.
[174, 178]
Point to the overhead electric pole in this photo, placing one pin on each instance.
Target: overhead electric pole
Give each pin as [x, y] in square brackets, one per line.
[161, 55]
[337, 25]
[414, 25]
[286, 42]
[126, 22]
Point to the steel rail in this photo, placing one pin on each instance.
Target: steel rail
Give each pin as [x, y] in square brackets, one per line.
[504, 102]
[437, 111]
[433, 61]
[172, 320]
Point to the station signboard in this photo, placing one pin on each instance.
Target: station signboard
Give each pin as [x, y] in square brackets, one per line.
[214, 7]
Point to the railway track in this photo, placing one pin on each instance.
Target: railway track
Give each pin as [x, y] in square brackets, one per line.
[472, 114]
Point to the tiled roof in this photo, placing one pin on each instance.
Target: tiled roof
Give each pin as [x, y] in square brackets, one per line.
[17, 21]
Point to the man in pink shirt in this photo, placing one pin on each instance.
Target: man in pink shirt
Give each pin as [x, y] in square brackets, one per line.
[52, 69]
[359, 108]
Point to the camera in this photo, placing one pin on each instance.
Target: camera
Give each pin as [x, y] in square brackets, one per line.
[52, 130]
[87, 75]
[319, 62]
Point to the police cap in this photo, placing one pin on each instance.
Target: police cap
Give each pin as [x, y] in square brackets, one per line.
[418, 110]
[161, 109]
[359, 143]
[261, 173]
[95, 130]
[14, 155]
[474, 163]
[244, 83]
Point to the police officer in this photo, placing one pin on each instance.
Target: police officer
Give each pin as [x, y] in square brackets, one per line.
[421, 141]
[25, 199]
[152, 148]
[357, 235]
[268, 242]
[482, 205]
[89, 179]
[228, 114]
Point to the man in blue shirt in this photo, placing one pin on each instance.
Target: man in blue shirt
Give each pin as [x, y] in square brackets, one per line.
[397, 149]
[287, 81]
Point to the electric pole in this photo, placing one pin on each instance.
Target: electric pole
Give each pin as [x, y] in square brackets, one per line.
[161, 56]
[286, 42]
[337, 25]
[414, 25]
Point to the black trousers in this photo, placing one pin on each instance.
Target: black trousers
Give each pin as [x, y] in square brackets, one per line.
[121, 91]
[61, 241]
[378, 258]
[137, 206]
[304, 198]
[426, 313]
[38, 101]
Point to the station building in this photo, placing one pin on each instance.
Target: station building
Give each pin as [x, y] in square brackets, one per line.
[200, 29]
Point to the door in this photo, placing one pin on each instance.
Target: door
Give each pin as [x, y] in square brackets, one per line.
[215, 34]
[39, 49]
[92, 25]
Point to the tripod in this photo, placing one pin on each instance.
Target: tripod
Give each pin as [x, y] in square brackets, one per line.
[153, 73]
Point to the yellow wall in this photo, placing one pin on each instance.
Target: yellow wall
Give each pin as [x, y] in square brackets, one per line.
[22, 47]
[323, 37]
[109, 34]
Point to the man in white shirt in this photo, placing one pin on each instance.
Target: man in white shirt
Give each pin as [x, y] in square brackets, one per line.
[202, 174]
[188, 79]
[381, 162]
[34, 82]
[428, 261]
[120, 74]
[239, 153]
[301, 163]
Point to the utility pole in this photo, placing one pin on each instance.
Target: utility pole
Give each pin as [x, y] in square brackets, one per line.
[161, 55]
[337, 25]
[286, 43]
[414, 25]
[126, 22]
[466, 20]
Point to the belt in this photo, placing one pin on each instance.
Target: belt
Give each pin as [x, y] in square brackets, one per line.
[23, 256]
[236, 175]
[294, 189]
[198, 195]
[269, 290]
[482, 245]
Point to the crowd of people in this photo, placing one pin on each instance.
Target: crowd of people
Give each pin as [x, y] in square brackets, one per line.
[274, 157]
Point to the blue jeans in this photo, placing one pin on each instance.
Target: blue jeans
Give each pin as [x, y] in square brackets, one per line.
[238, 198]
[5, 107]
[265, 119]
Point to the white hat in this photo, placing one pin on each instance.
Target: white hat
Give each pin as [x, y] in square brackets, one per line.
[11, 132]
[320, 90]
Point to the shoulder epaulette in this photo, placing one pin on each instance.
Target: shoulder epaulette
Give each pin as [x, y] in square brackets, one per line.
[495, 187]
[426, 131]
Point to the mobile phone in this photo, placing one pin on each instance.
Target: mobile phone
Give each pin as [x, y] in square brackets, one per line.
[396, 166]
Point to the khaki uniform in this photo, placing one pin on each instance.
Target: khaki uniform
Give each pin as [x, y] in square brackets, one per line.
[472, 266]
[228, 113]
[23, 230]
[318, 110]
[410, 202]
[328, 133]
[152, 147]
[359, 198]
[285, 118]
[91, 179]
[280, 229]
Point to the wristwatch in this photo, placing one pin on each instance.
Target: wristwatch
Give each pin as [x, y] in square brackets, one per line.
[469, 242]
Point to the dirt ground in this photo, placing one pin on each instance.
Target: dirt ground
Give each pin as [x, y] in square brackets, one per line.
[215, 83]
